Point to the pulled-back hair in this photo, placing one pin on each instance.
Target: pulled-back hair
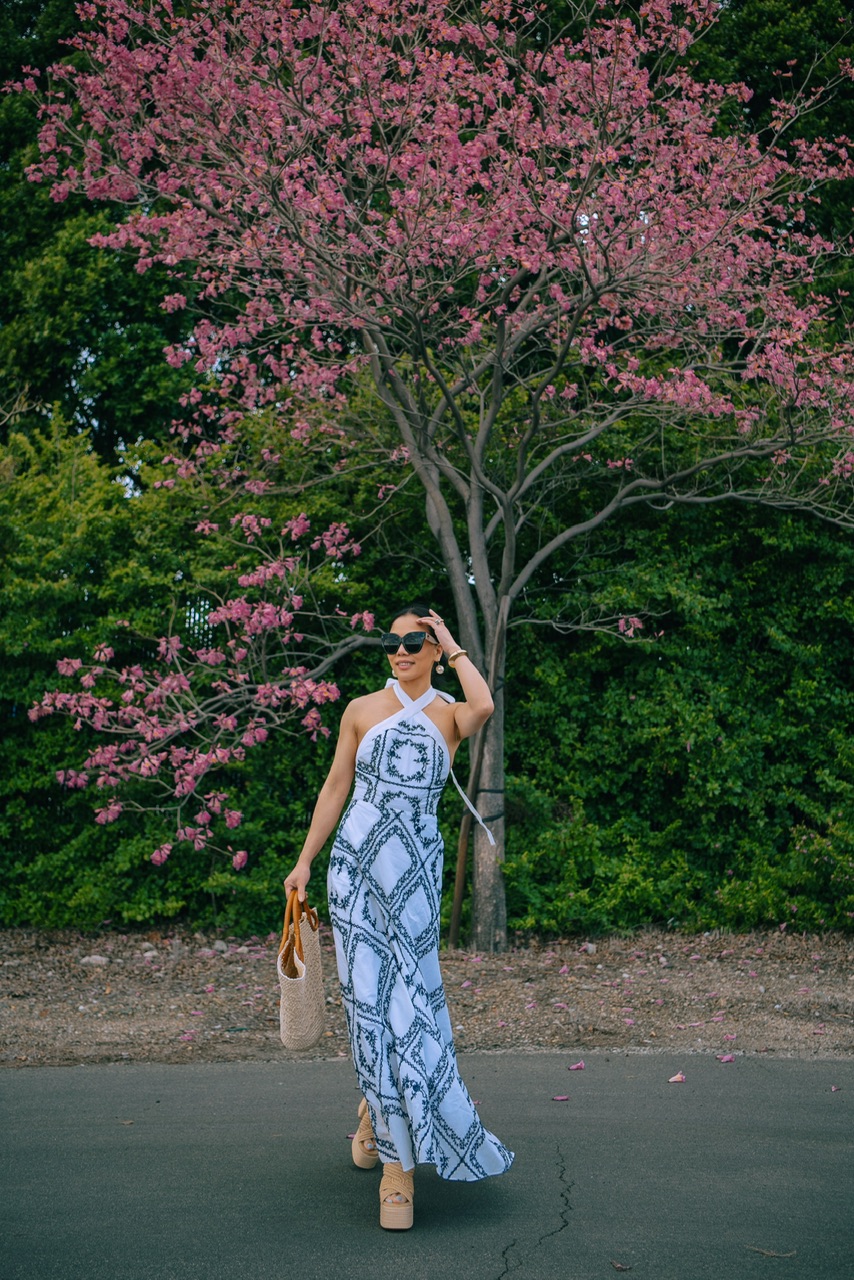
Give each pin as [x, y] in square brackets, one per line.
[419, 609]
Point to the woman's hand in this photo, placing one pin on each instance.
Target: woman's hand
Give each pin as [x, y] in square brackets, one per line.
[440, 630]
[298, 879]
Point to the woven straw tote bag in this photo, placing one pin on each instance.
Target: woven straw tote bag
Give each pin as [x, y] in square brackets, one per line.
[302, 1008]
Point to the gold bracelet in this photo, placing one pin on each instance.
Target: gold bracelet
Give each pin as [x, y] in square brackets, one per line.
[458, 653]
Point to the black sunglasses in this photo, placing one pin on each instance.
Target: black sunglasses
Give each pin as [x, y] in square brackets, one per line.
[413, 641]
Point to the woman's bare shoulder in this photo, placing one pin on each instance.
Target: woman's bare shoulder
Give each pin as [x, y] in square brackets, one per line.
[364, 712]
[379, 698]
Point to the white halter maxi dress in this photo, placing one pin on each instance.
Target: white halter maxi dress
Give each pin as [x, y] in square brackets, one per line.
[385, 878]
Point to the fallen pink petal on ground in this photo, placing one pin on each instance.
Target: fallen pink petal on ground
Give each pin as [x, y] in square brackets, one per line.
[726, 1057]
[561, 1097]
[577, 1066]
[679, 1078]
[835, 1088]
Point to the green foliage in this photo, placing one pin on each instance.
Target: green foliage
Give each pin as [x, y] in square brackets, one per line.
[82, 551]
[777, 47]
[70, 538]
[79, 328]
[704, 778]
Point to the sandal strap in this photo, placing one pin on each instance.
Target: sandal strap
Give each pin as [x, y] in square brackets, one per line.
[365, 1131]
[397, 1182]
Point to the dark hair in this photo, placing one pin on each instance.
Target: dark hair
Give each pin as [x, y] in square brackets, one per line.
[419, 609]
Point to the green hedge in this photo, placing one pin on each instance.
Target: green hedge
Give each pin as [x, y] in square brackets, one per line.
[705, 778]
[700, 779]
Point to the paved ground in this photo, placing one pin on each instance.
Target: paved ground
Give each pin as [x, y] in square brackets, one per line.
[241, 1172]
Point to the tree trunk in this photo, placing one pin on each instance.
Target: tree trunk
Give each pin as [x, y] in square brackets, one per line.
[489, 910]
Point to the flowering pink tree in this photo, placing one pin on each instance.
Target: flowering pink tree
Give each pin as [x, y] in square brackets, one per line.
[168, 731]
[573, 288]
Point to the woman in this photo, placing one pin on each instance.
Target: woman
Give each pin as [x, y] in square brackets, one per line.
[385, 877]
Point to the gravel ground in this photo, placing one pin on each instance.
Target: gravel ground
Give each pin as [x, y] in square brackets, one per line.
[67, 998]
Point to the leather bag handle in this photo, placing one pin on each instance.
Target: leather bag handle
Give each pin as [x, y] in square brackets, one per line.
[294, 910]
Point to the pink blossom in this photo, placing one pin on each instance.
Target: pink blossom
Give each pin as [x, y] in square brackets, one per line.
[529, 192]
[239, 860]
[211, 657]
[72, 779]
[628, 626]
[168, 647]
[336, 541]
[297, 528]
[109, 813]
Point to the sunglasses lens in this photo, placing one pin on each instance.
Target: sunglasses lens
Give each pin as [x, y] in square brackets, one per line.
[413, 641]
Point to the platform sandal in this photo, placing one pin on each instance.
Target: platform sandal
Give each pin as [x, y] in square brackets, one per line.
[396, 1215]
[364, 1148]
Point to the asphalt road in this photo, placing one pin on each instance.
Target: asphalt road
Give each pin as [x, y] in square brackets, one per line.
[242, 1172]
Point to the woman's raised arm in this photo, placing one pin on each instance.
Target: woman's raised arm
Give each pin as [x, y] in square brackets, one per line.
[478, 706]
